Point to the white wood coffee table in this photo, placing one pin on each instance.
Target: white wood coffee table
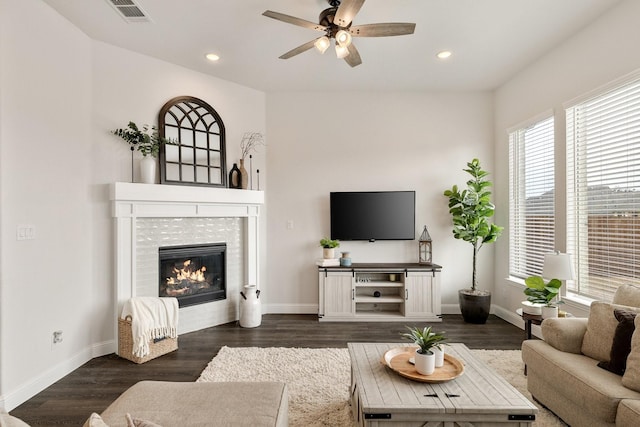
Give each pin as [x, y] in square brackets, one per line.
[479, 397]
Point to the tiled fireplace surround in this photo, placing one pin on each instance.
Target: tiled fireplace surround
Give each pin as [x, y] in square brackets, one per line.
[148, 216]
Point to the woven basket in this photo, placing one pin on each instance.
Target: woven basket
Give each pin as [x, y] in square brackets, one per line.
[156, 347]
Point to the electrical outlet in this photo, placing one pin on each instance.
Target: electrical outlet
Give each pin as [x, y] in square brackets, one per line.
[290, 224]
[57, 337]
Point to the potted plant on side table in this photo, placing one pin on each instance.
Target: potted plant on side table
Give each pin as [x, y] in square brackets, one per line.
[427, 341]
[471, 210]
[540, 293]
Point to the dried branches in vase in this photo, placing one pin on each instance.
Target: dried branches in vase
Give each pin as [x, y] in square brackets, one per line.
[250, 142]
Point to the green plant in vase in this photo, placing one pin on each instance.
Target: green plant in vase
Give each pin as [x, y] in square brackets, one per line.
[146, 140]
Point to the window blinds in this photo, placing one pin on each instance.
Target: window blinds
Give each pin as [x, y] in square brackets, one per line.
[603, 190]
[531, 197]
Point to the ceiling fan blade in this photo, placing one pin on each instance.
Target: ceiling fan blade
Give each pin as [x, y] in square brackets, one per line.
[353, 58]
[293, 20]
[382, 29]
[347, 11]
[298, 50]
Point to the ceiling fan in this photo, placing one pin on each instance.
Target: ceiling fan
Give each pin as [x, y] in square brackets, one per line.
[336, 22]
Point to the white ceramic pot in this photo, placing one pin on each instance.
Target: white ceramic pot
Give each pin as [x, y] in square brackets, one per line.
[250, 307]
[532, 308]
[549, 312]
[425, 363]
[439, 356]
[328, 253]
[148, 170]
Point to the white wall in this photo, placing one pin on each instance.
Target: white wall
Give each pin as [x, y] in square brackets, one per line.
[602, 52]
[61, 94]
[383, 141]
[45, 168]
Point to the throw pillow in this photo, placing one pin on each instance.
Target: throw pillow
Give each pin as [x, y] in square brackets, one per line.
[631, 377]
[601, 328]
[136, 422]
[627, 295]
[621, 346]
[95, 420]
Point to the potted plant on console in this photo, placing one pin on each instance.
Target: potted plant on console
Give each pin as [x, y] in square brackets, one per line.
[328, 247]
[471, 210]
[427, 341]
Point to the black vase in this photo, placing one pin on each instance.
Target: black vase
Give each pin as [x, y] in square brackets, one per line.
[474, 307]
[235, 177]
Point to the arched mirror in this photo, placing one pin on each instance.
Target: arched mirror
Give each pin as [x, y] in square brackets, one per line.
[197, 154]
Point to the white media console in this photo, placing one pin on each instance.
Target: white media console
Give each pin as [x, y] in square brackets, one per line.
[380, 292]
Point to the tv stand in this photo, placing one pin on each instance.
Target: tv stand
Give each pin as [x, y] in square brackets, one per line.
[380, 292]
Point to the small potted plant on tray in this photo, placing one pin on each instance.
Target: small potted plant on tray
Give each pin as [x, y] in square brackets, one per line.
[428, 343]
[328, 247]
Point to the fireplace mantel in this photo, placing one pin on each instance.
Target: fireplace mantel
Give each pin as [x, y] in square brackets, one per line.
[133, 202]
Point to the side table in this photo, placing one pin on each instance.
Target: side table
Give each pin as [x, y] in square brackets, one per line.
[529, 319]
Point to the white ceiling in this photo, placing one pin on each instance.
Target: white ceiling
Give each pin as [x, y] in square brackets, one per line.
[490, 39]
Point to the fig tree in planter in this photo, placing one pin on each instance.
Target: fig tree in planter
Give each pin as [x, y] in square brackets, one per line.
[471, 210]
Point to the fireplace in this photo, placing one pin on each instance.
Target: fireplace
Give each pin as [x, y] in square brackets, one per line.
[194, 274]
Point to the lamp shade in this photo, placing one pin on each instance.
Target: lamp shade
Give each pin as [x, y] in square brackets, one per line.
[322, 44]
[343, 38]
[557, 266]
[341, 51]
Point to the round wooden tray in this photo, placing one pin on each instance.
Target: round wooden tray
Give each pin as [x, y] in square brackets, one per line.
[398, 360]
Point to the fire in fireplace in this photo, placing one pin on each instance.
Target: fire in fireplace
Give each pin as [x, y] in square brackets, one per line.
[194, 274]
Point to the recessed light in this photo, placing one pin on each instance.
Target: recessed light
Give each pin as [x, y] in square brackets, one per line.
[212, 57]
[444, 54]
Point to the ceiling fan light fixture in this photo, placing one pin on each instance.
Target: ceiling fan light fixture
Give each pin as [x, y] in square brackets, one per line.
[341, 51]
[343, 38]
[322, 44]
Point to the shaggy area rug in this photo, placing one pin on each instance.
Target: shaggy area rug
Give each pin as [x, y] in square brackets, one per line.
[318, 379]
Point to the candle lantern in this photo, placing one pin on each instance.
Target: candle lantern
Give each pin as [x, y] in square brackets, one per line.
[424, 247]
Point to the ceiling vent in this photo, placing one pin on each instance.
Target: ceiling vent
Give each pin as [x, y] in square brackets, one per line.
[129, 10]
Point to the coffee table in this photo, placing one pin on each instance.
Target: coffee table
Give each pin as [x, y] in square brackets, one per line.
[479, 397]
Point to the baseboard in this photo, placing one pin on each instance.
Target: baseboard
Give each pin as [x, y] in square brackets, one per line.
[26, 391]
[290, 309]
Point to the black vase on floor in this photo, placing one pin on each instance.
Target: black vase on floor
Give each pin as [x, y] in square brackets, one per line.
[474, 306]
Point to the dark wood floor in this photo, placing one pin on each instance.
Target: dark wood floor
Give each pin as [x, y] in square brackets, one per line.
[93, 386]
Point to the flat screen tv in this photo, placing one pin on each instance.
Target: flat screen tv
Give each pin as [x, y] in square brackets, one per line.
[373, 215]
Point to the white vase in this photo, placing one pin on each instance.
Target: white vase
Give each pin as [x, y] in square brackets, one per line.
[439, 356]
[425, 363]
[328, 253]
[549, 312]
[148, 170]
[250, 307]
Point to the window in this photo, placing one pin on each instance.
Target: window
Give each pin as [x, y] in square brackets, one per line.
[531, 197]
[603, 190]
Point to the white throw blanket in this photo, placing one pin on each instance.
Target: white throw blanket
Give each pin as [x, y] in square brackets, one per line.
[151, 318]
